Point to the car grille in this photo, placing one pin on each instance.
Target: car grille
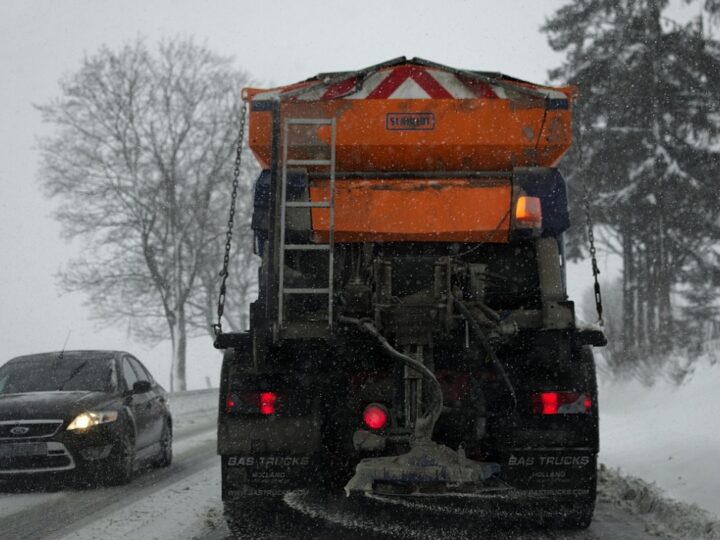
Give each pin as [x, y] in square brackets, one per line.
[28, 429]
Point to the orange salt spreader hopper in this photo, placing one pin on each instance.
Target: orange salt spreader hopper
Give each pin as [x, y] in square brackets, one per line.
[423, 152]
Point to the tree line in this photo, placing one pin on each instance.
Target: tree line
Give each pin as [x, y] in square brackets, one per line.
[646, 149]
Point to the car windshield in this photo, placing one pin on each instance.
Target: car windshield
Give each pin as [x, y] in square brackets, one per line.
[49, 374]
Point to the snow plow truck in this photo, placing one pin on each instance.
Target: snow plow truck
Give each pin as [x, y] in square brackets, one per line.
[412, 336]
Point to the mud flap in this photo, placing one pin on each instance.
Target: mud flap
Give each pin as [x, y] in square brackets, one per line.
[265, 475]
[563, 475]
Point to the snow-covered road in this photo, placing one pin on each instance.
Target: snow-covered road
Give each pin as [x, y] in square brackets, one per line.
[183, 502]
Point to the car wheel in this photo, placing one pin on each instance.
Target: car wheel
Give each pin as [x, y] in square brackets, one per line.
[122, 465]
[164, 458]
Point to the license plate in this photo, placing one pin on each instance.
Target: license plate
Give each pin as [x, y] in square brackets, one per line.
[25, 449]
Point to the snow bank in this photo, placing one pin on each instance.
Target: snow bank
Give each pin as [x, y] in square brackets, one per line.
[662, 517]
[194, 401]
[666, 434]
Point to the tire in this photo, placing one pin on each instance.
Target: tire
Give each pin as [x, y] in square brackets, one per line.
[164, 458]
[122, 465]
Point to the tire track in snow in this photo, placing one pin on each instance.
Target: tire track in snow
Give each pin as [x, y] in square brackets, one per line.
[388, 518]
[321, 517]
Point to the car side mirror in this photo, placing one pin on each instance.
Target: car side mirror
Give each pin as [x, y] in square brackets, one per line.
[140, 387]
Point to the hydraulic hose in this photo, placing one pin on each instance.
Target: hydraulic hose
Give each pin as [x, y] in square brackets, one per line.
[425, 425]
[486, 345]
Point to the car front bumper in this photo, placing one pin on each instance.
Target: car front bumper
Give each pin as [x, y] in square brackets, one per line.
[82, 451]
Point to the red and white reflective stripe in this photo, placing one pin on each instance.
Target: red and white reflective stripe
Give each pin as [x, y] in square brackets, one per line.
[340, 89]
[407, 81]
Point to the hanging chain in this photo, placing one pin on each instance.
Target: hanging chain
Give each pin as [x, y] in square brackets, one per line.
[593, 255]
[591, 238]
[217, 328]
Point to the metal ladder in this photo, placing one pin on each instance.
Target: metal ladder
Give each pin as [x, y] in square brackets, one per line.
[285, 204]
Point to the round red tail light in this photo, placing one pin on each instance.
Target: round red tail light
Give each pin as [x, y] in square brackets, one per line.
[375, 416]
[230, 403]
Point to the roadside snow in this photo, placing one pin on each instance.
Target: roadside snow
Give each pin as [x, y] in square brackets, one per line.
[666, 434]
[191, 423]
[187, 403]
[662, 516]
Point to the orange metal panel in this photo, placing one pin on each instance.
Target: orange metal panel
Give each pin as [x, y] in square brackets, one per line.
[460, 134]
[448, 210]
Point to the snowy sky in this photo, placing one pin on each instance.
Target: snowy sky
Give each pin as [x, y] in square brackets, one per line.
[275, 41]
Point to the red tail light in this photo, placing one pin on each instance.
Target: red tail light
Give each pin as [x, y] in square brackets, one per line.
[561, 403]
[268, 403]
[375, 416]
[252, 403]
[230, 403]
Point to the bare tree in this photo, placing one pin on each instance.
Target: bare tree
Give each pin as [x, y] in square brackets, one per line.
[141, 161]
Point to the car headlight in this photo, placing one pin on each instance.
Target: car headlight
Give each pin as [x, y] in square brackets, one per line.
[89, 419]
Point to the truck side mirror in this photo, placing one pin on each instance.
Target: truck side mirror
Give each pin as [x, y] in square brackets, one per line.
[591, 336]
[233, 340]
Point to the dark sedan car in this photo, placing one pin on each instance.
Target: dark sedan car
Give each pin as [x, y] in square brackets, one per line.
[91, 414]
